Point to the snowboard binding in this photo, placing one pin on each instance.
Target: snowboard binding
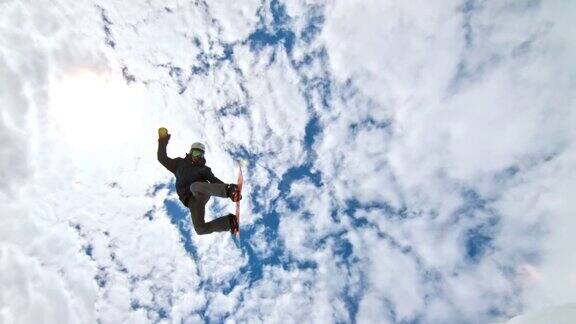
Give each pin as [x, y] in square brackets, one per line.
[233, 192]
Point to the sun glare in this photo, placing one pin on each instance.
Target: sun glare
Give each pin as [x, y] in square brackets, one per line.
[95, 110]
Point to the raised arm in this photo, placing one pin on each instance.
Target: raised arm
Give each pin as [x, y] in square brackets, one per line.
[163, 158]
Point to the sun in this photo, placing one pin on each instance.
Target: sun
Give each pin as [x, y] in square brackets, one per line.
[94, 110]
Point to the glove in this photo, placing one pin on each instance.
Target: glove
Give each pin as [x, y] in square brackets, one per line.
[164, 140]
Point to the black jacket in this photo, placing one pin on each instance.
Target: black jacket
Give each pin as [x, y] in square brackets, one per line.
[186, 172]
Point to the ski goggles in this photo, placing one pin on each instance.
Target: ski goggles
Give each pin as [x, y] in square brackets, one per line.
[197, 153]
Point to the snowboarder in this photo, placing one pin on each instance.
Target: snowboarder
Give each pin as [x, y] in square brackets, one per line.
[195, 183]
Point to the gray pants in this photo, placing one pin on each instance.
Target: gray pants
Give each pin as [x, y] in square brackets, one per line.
[201, 192]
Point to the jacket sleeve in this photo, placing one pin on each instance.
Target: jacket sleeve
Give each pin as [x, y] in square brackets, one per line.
[168, 163]
[211, 177]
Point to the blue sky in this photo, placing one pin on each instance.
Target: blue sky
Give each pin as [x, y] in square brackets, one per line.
[405, 162]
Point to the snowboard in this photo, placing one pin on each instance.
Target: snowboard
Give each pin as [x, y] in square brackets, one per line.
[240, 183]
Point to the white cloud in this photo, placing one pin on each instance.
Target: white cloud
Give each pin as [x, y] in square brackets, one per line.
[426, 102]
[237, 19]
[507, 110]
[290, 296]
[559, 314]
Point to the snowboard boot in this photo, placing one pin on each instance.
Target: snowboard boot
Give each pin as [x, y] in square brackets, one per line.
[233, 193]
[234, 228]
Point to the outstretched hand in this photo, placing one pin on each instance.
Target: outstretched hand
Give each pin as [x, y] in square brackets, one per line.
[164, 139]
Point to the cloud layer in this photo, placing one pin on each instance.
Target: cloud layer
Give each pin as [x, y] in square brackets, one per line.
[405, 162]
